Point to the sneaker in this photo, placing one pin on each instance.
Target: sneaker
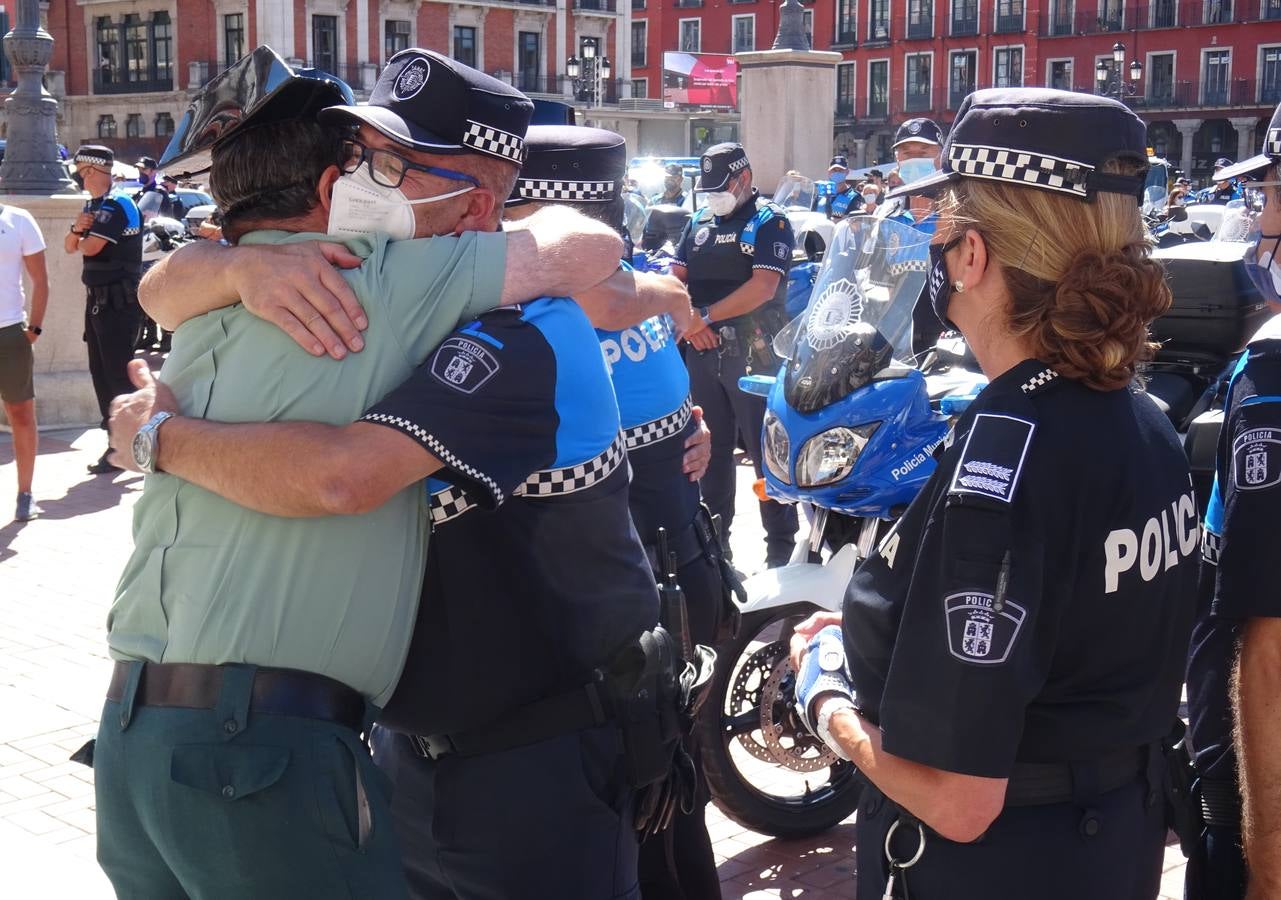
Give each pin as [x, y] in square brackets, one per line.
[27, 509]
[102, 466]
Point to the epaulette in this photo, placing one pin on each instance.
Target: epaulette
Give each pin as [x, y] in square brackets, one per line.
[997, 444]
[765, 205]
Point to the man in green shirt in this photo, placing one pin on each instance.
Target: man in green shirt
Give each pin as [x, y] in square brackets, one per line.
[253, 650]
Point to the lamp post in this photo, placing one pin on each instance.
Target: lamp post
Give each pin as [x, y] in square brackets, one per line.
[1119, 88]
[594, 72]
[31, 163]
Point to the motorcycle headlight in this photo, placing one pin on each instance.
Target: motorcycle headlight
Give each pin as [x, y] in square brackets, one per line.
[830, 455]
[777, 448]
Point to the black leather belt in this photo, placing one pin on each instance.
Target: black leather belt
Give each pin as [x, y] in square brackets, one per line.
[1037, 784]
[576, 710]
[279, 692]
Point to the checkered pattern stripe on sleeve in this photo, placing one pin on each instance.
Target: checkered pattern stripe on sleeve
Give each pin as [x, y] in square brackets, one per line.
[1272, 144]
[1038, 381]
[571, 191]
[1211, 543]
[449, 503]
[494, 141]
[658, 429]
[572, 479]
[1016, 167]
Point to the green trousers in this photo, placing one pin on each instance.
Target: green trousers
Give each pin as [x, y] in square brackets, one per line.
[221, 804]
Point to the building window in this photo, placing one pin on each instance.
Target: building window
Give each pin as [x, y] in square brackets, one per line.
[691, 35]
[395, 37]
[1009, 67]
[1061, 74]
[1061, 17]
[1165, 14]
[233, 38]
[164, 125]
[878, 26]
[917, 96]
[1160, 74]
[108, 52]
[1214, 89]
[920, 19]
[846, 22]
[133, 125]
[1009, 16]
[162, 45]
[640, 35]
[1270, 75]
[137, 65]
[744, 33]
[1218, 12]
[878, 89]
[134, 55]
[1270, 10]
[324, 43]
[640, 88]
[529, 47]
[807, 22]
[845, 90]
[465, 45]
[965, 17]
[106, 126]
[1111, 16]
[961, 77]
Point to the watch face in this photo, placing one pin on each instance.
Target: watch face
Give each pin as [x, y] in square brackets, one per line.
[142, 450]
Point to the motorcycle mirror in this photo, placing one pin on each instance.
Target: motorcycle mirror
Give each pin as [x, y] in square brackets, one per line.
[1202, 231]
[1178, 214]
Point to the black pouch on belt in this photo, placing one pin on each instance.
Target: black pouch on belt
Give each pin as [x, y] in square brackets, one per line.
[643, 692]
[708, 530]
[1182, 812]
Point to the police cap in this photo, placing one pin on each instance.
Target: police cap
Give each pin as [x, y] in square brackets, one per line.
[674, 169]
[257, 89]
[838, 162]
[1036, 137]
[719, 164]
[94, 155]
[570, 164]
[145, 162]
[922, 131]
[438, 105]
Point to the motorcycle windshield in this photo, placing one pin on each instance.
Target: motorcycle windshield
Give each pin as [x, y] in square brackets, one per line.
[1237, 223]
[859, 317]
[795, 192]
[1154, 199]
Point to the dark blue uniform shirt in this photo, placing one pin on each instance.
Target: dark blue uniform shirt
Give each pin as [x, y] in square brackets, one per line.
[535, 575]
[1035, 602]
[1239, 574]
[116, 220]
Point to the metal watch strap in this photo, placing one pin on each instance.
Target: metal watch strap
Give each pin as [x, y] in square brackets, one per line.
[151, 431]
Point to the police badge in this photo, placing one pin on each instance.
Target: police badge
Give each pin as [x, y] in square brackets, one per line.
[412, 79]
[977, 632]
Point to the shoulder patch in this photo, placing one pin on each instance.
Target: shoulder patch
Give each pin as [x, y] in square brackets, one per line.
[993, 457]
[1256, 459]
[463, 364]
[979, 633]
[103, 214]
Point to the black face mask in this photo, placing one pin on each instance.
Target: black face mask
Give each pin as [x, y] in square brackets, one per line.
[939, 286]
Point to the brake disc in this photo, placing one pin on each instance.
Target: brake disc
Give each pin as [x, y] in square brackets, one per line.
[764, 682]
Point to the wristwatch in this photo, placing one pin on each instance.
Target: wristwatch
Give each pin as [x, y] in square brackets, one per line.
[704, 313]
[146, 443]
[35, 329]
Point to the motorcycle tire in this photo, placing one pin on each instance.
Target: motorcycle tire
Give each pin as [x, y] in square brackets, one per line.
[810, 812]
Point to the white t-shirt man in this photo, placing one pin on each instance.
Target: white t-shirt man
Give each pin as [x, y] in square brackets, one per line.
[19, 236]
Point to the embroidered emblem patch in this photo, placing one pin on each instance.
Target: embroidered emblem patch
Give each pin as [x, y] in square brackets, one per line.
[700, 236]
[1256, 459]
[411, 79]
[463, 364]
[707, 164]
[992, 460]
[976, 632]
[781, 251]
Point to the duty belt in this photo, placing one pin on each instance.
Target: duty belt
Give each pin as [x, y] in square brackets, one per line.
[1038, 784]
[658, 429]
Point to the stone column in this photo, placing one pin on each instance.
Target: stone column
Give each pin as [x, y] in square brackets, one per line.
[1245, 136]
[860, 153]
[1187, 129]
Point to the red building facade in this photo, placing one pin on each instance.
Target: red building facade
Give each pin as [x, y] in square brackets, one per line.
[1209, 71]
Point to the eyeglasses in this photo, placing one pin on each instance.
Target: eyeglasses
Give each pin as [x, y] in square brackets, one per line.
[389, 169]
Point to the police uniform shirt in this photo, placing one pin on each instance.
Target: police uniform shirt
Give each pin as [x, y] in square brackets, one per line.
[1035, 602]
[845, 200]
[1239, 580]
[117, 221]
[535, 575]
[721, 252]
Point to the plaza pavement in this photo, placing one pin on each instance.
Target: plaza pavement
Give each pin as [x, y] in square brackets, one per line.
[57, 576]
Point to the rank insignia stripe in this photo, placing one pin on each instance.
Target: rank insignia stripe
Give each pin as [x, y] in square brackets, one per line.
[992, 460]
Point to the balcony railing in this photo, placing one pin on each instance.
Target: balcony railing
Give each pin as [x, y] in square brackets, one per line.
[113, 83]
[847, 37]
[1239, 92]
[956, 95]
[638, 4]
[1009, 24]
[962, 26]
[878, 31]
[845, 107]
[595, 5]
[1159, 14]
[1165, 14]
[917, 101]
[920, 29]
[877, 110]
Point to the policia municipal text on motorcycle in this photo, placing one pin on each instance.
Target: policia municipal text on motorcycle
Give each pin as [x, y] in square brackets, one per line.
[1011, 657]
[1238, 625]
[734, 255]
[584, 168]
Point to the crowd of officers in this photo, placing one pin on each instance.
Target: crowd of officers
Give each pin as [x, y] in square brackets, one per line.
[1007, 668]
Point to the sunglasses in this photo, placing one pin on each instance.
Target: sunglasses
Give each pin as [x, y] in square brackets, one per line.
[389, 169]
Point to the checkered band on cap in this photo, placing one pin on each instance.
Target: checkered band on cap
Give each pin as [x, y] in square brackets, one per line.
[659, 429]
[1272, 143]
[494, 141]
[571, 191]
[738, 164]
[1017, 167]
[572, 479]
[92, 158]
[449, 503]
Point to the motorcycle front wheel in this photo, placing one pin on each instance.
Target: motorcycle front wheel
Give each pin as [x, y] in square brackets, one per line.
[765, 771]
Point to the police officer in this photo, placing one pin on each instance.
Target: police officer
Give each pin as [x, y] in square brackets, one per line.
[1237, 603]
[845, 199]
[673, 186]
[1224, 189]
[583, 167]
[108, 235]
[151, 198]
[734, 255]
[1015, 645]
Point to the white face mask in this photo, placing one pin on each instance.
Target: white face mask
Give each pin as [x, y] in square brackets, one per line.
[362, 206]
[911, 170]
[722, 203]
[869, 197]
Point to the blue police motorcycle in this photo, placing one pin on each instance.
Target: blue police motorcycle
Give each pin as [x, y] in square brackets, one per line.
[850, 428]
